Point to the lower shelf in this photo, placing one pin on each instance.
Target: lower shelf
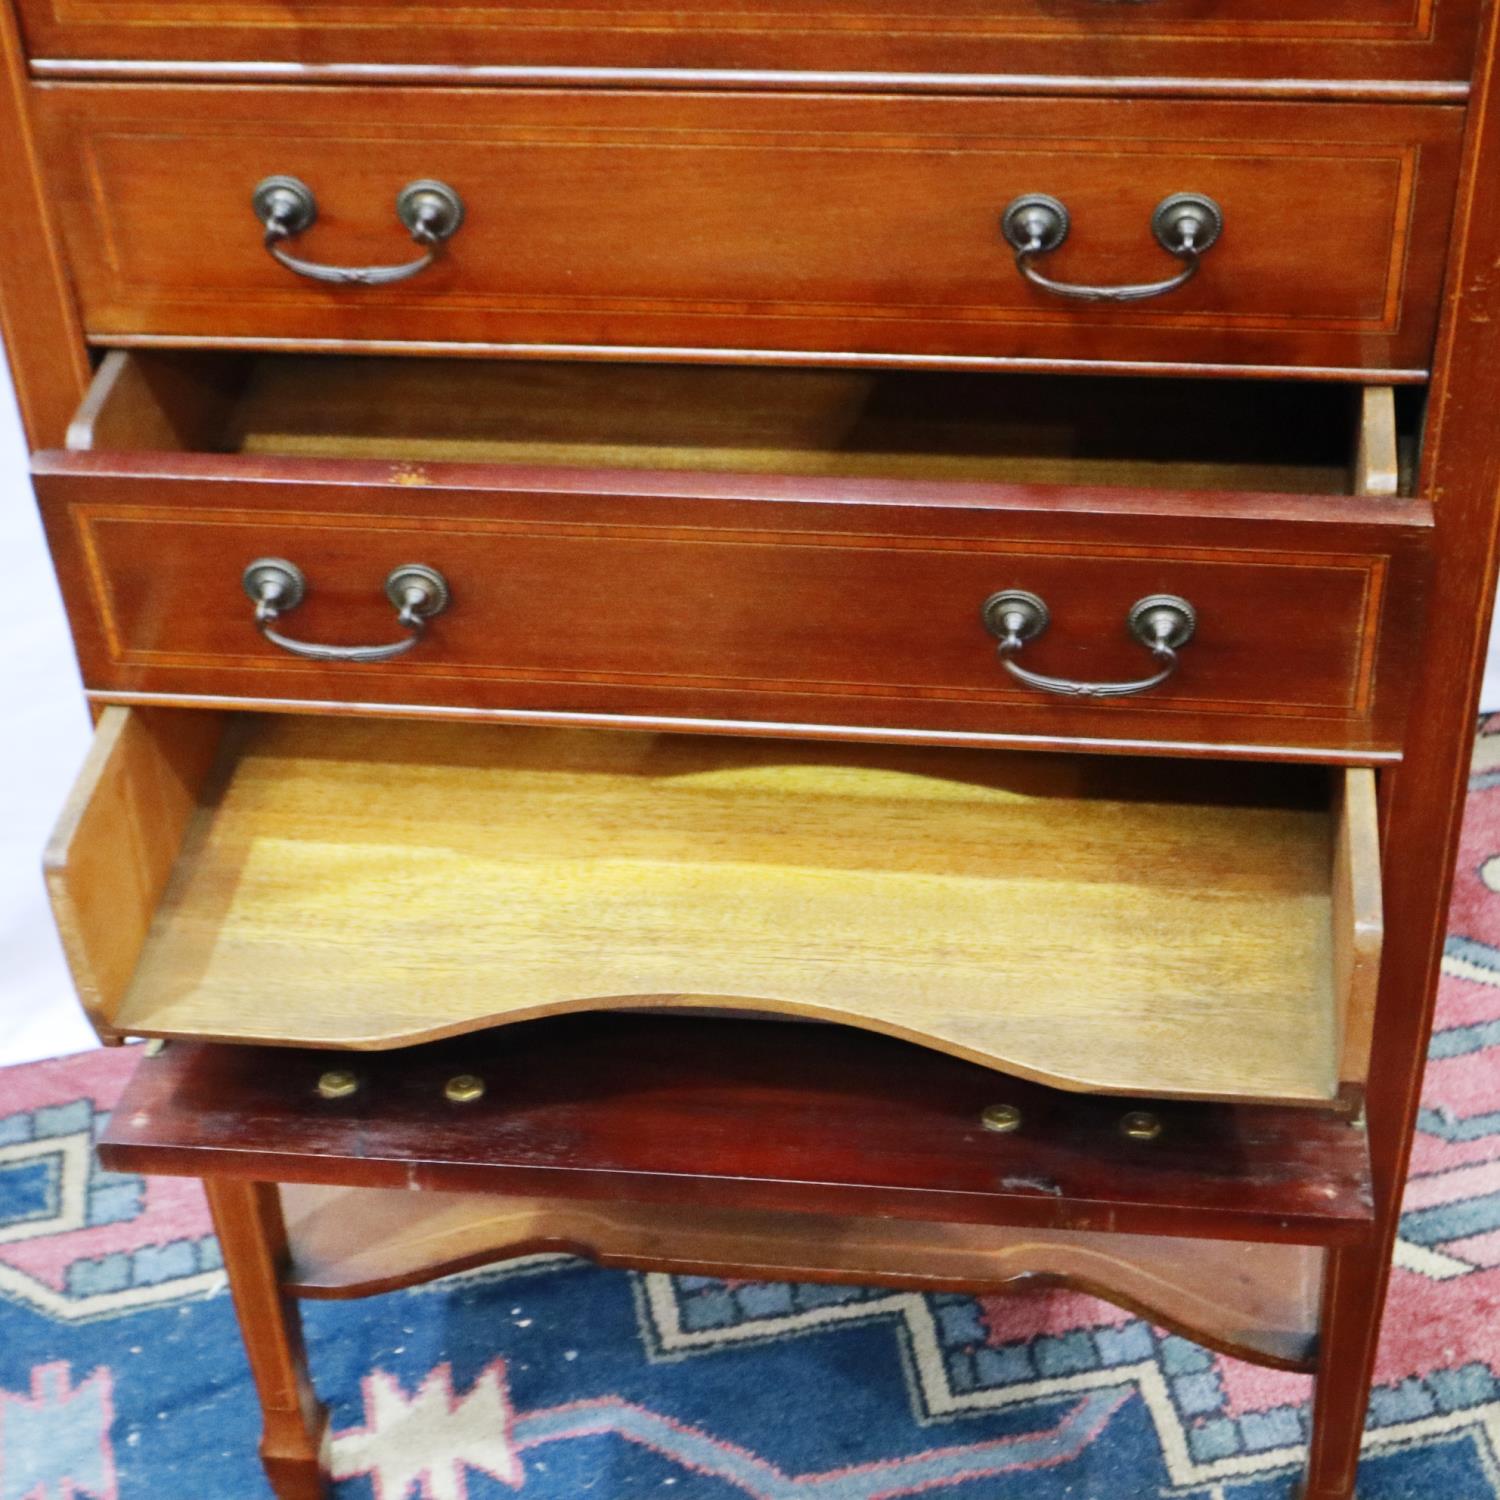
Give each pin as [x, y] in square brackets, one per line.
[1256, 1301]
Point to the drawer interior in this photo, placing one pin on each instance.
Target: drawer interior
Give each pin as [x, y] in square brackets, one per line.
[1118, 925]
[1246, 436]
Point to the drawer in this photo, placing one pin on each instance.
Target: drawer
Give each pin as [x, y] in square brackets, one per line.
[368, 884]
[742, 548]
[790, 228]
[1274, 39]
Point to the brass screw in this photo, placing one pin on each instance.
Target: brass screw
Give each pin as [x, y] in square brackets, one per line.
[337, 1083]
[1002, 1118]
[464, 1089]
[1140, 1125]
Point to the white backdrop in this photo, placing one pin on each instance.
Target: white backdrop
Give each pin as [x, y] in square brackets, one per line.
[46, 734]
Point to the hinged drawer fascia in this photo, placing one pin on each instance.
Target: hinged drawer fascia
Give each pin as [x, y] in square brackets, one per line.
[837, 601]
[781, 227]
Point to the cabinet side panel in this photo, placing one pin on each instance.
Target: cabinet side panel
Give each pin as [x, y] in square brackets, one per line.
[38, 322]
[1423, 800]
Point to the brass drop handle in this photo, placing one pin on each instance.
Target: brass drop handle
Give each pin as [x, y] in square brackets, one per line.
[1162, 623]
[1185, 225]
[277, 587]
[431, 211]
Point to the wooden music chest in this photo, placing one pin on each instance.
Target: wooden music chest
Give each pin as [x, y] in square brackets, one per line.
[973, 530]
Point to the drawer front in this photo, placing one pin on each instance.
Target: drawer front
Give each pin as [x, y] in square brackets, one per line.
[791, 226]
[1375, 39]
[671, 600]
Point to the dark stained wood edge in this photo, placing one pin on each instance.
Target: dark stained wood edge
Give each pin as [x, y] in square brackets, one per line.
[1360, 90]
[1337, 753]
[1315, 517]
[39, 323]
[794, 358]
[688, 1193]
[655, 1109]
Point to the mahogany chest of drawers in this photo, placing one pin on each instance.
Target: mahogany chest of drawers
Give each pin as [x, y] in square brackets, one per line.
[976, 525]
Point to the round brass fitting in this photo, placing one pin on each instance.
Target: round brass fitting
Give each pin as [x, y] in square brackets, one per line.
[1140, 1125]
[337, 1083]
[1001, 1118]
[465, 1088]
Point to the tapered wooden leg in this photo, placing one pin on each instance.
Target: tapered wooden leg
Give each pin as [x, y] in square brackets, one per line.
[252, 1236]
[1353, 1298]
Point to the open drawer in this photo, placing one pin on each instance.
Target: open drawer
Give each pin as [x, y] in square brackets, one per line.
[1120, 925]
[810, 550]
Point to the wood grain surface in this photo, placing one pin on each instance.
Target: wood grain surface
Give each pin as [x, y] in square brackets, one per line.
[744, 1115]
[1265, 39]
[369, 884]
[885, 212]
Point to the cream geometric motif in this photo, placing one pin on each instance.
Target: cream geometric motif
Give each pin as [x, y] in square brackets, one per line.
[935, 1397]
[431, 1440]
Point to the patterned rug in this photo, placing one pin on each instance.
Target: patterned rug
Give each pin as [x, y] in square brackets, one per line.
[121, 1376]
